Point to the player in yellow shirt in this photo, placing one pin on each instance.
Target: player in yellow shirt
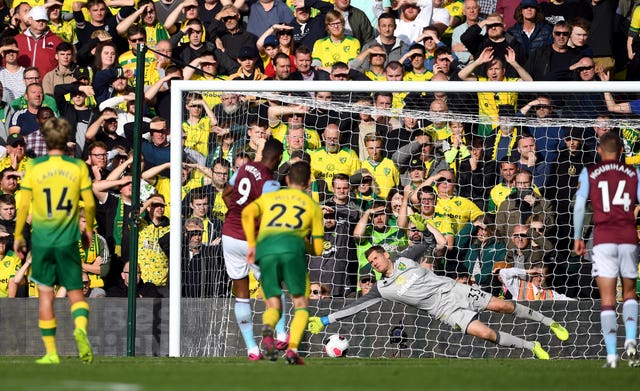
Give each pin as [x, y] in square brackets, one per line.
[288, 218]
[53, 185]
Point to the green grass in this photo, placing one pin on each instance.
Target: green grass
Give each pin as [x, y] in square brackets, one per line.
[181, 374]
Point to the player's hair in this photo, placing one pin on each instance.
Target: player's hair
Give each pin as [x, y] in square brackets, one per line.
[300, 173]
[610, 143]
[56, 133]
[272, 149]
[376, 249]
[8, 199]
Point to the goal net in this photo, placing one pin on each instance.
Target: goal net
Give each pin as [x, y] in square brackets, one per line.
[493, 167]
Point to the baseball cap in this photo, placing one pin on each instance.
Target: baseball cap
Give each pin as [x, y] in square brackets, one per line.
[81, 73]
[14, 139]
[248, 52]
[271, 40]
[39, 13]
[416, 163]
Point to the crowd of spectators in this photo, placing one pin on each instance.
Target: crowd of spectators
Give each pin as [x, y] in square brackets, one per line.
[488, 195]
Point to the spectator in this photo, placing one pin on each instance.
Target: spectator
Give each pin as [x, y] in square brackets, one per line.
[382, 168]
[104, 129]
[336, 46]
[531, 161]
[580, 28]
[548, 136]
[106, 57]
[198, 125]
[16, 156]
[266, 13]
[95, 261]
[393, 47]
[550, 62]
[483, 250]
[30, 76]
[156, 149]
[477, 174]
[233, 37]
[523, 251]
[319, 291]
[180, 17]
[100, 18]
[503, 140]
[471, 11]
[376, 57]
[565, 11]
[603, 21]
[24, 121]
[422, 148]
[34, 141]
[277, 39]
[248, 70]
[9, 265]
[333, 158]
[11, 74]
[37, 44]
[416, 59]
[97, 161]
[412, 17]
[137, 35]
[520, 205]
[357, 23]
[154, 263]
[365, 283]
[336, 266]
[306, 29]
[258, 134]
[529, 284]
[121, 289]
[194, 46]
[508, 171]
[531, 30]
[8, 218]
[147, 18]
[426, 205]
[63, 72]
[365, 189]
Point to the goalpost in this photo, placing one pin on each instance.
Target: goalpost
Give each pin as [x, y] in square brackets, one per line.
[390, 330]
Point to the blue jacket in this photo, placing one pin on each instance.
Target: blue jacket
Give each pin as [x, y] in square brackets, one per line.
[541, 36]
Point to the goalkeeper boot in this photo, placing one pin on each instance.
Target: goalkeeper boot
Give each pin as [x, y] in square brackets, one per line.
[539, 352]
[559, 331]
[633, 358]
[49, 358]
[84, 347]
[293, 358]
[611, 362]
[269, 344]
[282, 345]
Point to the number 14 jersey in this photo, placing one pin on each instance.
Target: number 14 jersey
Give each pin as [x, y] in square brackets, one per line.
[613, 191]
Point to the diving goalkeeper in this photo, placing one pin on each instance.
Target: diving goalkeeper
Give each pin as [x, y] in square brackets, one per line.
[405, 281]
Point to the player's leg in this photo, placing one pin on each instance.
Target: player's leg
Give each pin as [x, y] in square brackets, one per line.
[80, 314]
[606, 268]
[629, 271]
[271, 288]
[235, 259]
[297, 280]
[481, 330]
[523, 312]
[47, 324]
[282, 337]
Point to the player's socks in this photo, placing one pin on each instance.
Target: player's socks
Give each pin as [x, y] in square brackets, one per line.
[242, 311]
[281, 326]
[511, 341]
[80, 313]
[270, 317]
[524, 312]
[298, 326]
[609, 329]
[630, 316]
[48, 332]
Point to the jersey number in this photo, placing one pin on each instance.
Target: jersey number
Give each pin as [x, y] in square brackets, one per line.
[277, 220]
[63, 203]
[620, 198]
[244, 188]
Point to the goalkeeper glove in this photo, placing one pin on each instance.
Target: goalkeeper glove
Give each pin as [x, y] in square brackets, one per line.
[316, 324]
[418, 221]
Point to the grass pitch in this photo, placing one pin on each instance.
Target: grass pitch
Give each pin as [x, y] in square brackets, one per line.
[181, 374]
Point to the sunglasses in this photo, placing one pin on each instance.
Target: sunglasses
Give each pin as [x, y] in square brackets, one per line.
[538, 107]
[228, 18]
[582, 69]
[520, 236]
[561, 33]
[341, 75]
[492, 25]
[10, 51]
[136, 40]
[444, 180]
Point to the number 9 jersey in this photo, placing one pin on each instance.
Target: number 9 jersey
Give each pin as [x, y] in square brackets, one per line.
[248, 183]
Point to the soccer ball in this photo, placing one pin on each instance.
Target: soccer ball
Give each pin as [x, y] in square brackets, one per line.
[336, 346]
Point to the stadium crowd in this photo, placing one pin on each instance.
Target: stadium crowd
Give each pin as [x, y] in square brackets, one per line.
[494, 200]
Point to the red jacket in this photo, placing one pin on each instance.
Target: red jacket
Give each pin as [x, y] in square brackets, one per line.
[40, 52]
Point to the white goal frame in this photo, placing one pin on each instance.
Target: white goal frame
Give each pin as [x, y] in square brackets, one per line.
[178, 88]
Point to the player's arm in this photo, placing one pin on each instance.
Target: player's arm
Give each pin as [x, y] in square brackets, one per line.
[317, 232]
[19, 244]
[511, 278]
[249, 215]
[316, 324]
[228, 190]
[579, 211]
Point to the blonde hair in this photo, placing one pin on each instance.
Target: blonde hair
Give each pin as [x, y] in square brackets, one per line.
[56, 133]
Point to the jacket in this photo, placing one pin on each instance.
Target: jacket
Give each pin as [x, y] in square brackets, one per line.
[38, 52]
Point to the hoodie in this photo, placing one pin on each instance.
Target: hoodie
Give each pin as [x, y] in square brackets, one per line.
[39, 52]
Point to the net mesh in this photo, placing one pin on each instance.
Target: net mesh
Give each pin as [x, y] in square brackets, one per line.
[564, 129]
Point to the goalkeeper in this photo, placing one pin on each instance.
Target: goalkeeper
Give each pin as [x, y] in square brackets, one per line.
[405, 281]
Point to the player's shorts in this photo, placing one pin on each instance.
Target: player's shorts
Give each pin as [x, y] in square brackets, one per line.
[56, 266]
[460, 306]
[612, 260]
[290, 268]
[235, 258]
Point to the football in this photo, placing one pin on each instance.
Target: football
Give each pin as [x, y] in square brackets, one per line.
[336, 346]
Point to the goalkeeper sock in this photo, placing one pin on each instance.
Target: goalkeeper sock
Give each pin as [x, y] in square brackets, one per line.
[270, 317]
[630, 315]
[281, 326]
[511, 341]
[48, 332]
[80, 313]
[524, 312]
[298, 325]
[609, 330]
[242, 310]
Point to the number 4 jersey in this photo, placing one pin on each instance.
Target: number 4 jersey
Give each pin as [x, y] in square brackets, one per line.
[248, 183]
[55, 183]
[612, 187]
